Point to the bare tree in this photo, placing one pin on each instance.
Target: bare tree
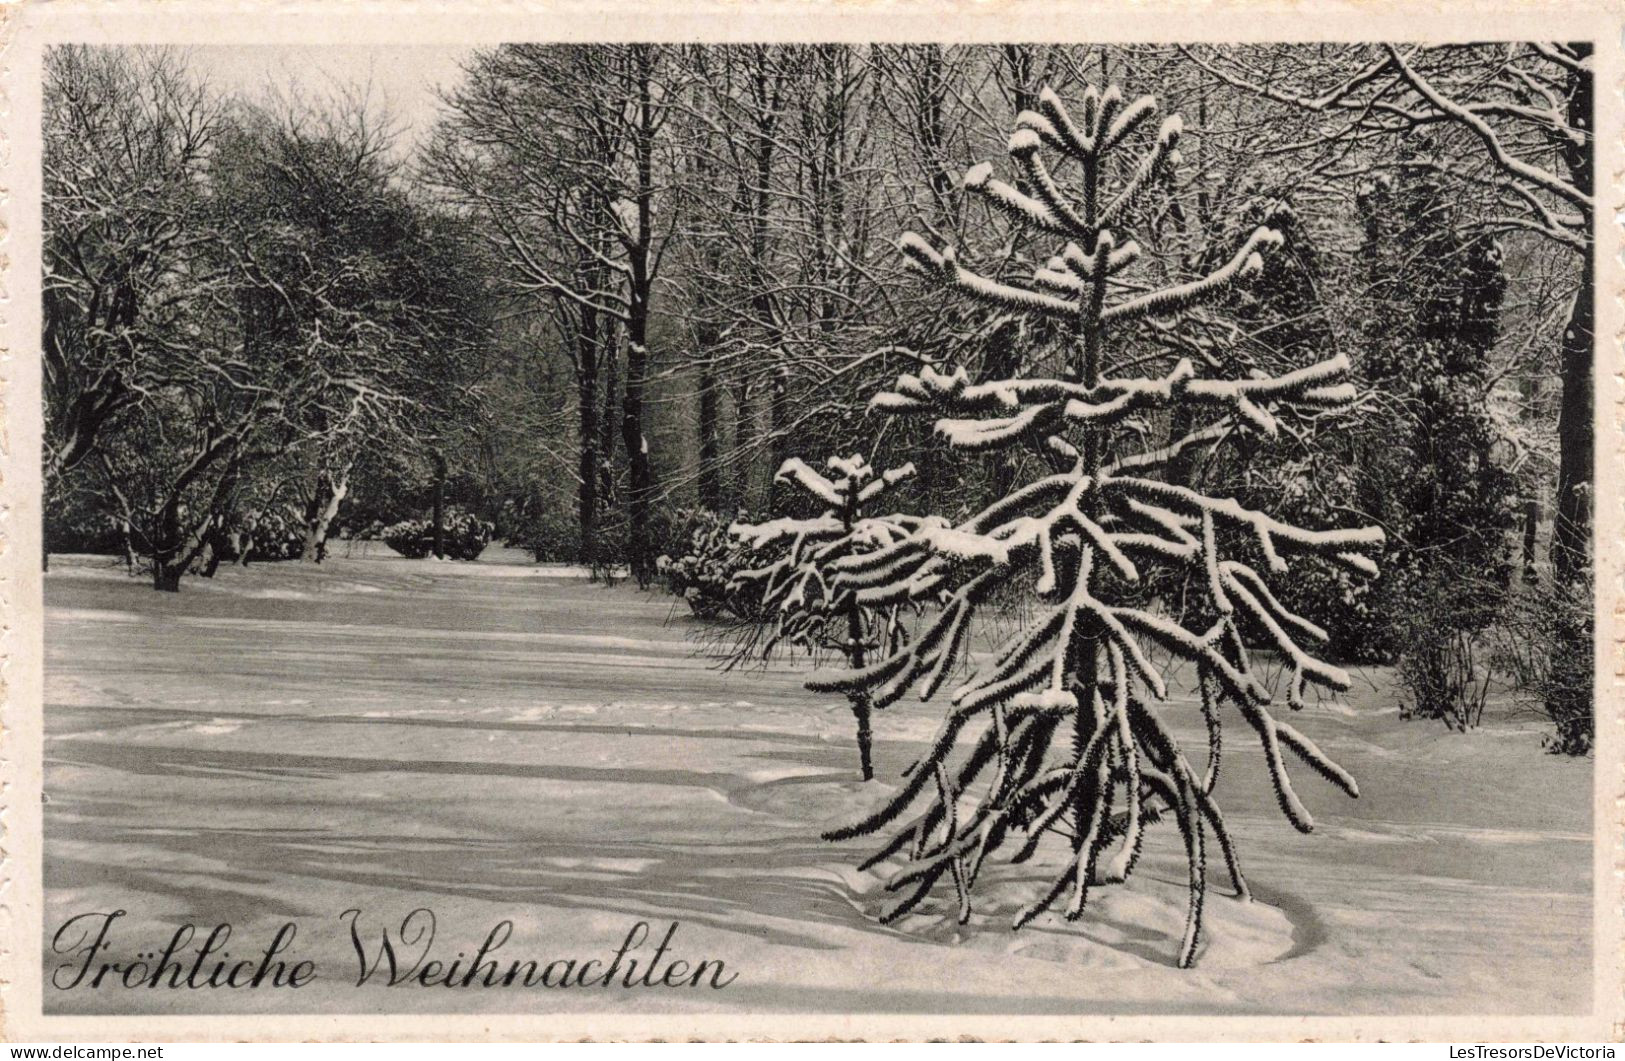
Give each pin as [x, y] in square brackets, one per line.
[126, 137]
[558, 150]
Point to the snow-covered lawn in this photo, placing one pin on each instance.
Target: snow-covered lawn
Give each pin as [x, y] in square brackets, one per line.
[505, 741]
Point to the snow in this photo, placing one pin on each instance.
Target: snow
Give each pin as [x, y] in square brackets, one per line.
[626, 215]
[1135, 113]
[1022, 142]
[500, 740]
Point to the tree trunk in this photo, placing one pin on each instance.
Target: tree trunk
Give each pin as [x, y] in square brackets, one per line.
[744, 443]
[640, 495]
[608, 424]
[439, 505]
[1571, 533]
[856, 658]
[779, 411]
[213, 553]
[1531, 523]
[710, 478]
[641, 486]
[330, 493]
[166, 577]
[167, 567]
[860, 708]
[587, 434]
[768, 84]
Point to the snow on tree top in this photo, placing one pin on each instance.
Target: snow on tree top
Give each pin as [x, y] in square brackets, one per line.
[1022, 142]
[1126, 122]
[975, 177]
[920, 251]
[797, 472]
[853, 467]
[1040, 125]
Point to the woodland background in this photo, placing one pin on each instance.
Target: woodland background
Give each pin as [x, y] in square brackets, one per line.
[615, 287]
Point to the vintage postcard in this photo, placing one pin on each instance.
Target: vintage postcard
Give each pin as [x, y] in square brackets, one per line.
[811, 520]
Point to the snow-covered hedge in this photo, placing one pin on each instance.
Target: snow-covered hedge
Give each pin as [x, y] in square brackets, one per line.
[464, 536]
[276, 535]
[703, 573]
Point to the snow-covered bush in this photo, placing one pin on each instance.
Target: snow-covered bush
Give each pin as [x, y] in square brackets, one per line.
[1059, 741]
[703, 570]
[276, 534]
[1444, 667]
[1533, 644]
[76, 523]
[464, 536]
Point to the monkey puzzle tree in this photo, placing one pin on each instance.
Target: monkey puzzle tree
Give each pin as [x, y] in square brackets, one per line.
[796, 586]
[1075, 748]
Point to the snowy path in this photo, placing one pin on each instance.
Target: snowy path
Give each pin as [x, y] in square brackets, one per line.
[289, 742]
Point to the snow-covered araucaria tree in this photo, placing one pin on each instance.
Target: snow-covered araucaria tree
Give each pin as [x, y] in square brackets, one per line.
[808, 610]
[1075, 743]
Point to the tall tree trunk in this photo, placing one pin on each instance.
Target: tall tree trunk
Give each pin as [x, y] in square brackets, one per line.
[768, 87]
[641, 485]
[779, 411]
[766, 314]
[640, 495]
[440, 472]
[587, 434]
[710, 477]
[1570, 704]
[744, 443]
[608, 425]
[1571, 534]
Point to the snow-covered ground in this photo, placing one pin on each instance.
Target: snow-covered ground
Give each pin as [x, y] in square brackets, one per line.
[509, 741]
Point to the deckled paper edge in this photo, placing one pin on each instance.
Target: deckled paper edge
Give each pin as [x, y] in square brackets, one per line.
[27, 27]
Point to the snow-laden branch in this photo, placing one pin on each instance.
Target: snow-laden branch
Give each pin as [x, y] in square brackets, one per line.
[1492, 142]
[1027, 409]
[944, 268]
[1247, 261]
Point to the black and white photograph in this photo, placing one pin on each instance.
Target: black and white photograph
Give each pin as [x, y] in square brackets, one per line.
[998, 528]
